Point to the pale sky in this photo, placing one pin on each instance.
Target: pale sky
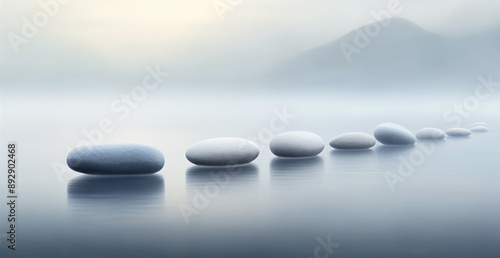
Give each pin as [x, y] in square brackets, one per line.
[146, 31]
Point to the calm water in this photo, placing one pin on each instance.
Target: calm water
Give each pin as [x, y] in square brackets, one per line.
[447, 206]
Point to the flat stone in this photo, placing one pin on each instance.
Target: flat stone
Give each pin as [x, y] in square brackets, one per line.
[458, 132]
[478, 124]
[393, 134]
[116, 159]
[222, 152]
[296, 144]
[353, 141]
[479, 129]
[430, 133]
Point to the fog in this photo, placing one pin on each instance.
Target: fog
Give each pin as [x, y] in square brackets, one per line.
[273, 205]
[172, 73]
[94, 44]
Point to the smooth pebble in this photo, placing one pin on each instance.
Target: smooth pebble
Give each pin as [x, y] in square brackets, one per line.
[458, 132]
[353, 141]
[430, 133]
[479, 129]
[478, 124]
[393, 134]
[296, 144]
[116, 159]
[222, 152]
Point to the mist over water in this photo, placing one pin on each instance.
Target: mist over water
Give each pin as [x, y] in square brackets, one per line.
[171, 73]
[272, 208]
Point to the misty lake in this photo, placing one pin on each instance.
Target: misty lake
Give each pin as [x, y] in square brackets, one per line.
[338, 204]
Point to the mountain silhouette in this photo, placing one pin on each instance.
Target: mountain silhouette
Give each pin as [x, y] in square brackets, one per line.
[400, 53]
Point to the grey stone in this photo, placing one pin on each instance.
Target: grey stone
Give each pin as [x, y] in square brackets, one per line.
[296, 144]
[479, 129]
[430, 133]
[353, 141]
[458, 132]
[222, 152]
[116, 159]
[478, 124]
[393, 134]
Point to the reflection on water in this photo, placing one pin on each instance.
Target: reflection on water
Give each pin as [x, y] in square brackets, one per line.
[436, 141]
[200, 175]
[350, 154]
[389, 157]
[297, 165]
[224, 182]
[352, 160]
[389, 154]
[393, 150]
[290, 177]
[116, 194]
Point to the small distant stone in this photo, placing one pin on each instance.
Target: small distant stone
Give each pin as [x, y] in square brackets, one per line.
[478, 124]
[430, 133]
[393, 134]
[222, 152]
[458, 132]
[116, 159]
[296, 144]
[353, 141]
[479, 129]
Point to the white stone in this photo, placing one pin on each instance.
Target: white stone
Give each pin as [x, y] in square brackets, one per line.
[430, 133]
[458, 132]
[479, 129]
[222, 152]
[296, 144]
[353, 141]
[478, 124]
[393, 134]
[116, 159]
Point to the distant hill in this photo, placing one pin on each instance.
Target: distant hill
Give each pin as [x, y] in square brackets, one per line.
[402, 52]
[401, 55]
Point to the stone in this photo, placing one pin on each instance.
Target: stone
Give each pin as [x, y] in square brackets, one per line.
[222, 152]
[353, 141]
[393, 134]
[430, 133]
[478, 124]
[296, 144]
[116, 159]
[458, 132]
[479, 129]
